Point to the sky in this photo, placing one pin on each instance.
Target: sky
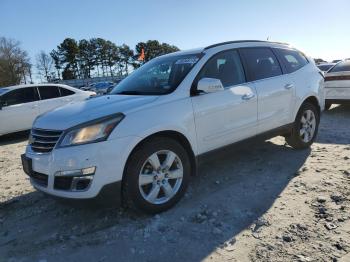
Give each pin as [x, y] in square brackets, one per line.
[320, 28]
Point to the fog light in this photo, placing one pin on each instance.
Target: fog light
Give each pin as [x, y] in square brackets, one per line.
[81, 183]
[78, 172]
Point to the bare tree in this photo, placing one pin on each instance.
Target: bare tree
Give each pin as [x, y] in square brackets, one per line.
[14, 62]
[44, 64]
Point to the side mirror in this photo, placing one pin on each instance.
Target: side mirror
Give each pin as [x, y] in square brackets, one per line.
[209, 85]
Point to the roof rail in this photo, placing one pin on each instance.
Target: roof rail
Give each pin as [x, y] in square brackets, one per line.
[242, 41]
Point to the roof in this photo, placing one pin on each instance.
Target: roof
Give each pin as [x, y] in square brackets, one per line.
[244, 41]
[200, 50]
[9, 88]
[326, 64]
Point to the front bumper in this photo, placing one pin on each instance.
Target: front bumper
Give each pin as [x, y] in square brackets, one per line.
[109, 158]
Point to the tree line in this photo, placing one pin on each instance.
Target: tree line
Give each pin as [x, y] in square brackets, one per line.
[81, 59]
[76, 59]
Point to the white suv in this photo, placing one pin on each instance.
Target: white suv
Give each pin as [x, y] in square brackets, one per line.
[144, 138]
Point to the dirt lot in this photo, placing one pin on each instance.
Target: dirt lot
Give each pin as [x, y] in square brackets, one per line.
[263, 202]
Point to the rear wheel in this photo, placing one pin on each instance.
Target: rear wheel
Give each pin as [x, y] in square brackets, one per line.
[156, 175]
[305, 127]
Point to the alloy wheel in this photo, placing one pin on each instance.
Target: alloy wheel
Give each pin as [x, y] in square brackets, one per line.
[160, 177]
[307, 126]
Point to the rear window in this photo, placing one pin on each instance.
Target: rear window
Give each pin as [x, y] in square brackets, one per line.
[342, 66]
[261, 63]
[48, 92]
[324, 67]
[66, 92]
[292, 60]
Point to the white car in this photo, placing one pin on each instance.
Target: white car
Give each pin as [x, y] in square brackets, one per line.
[144, 138]
[20, 105]
[337, 84]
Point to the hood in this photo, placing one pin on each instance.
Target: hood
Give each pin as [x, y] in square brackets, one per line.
[76, 113]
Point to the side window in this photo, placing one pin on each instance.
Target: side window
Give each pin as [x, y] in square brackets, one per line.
[20, 96]
[66, 92]
[292, 59]
[225, 66]
[48, 92]
[261, 63]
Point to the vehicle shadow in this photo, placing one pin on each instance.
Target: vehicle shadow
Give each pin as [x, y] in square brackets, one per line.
[334, 126]
[235, 187]
[14, 138]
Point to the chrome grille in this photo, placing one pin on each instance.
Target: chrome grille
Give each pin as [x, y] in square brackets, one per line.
[43, 141]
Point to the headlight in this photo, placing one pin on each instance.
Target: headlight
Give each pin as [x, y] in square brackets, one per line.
[92, 131]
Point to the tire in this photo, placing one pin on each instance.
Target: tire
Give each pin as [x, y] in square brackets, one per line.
[327, 106]
[303, 135]
[155, 195]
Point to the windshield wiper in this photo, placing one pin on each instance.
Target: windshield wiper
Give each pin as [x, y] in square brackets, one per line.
[128, 93]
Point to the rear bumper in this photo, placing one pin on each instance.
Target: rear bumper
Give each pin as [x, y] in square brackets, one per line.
[337, 93]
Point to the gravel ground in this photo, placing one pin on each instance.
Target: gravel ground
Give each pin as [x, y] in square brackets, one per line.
[260, 202]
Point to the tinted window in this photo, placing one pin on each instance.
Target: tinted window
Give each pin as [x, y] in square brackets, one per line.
[225, 66]
[66, 92]
[342, 66]
[20, 96]
[292, 59]
[47, 92]
[261, 63]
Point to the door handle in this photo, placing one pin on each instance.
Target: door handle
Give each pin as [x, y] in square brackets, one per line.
[248, 96]
[288, 86]
[34, 106]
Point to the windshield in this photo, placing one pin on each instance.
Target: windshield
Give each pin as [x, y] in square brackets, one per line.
[342, 66]
[160, 76]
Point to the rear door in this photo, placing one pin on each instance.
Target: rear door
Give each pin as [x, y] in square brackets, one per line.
[19, 109]
[275, 91]
[50, 98]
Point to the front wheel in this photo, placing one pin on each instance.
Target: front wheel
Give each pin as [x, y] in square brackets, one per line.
[305, 127]
[156, 175]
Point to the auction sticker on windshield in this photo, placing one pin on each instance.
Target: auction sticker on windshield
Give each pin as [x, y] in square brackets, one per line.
[189, 60]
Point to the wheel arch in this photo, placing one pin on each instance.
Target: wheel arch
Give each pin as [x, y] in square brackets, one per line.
[181, 138]
[312, 99]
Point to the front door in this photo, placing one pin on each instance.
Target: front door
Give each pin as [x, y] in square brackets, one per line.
[226, 116]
